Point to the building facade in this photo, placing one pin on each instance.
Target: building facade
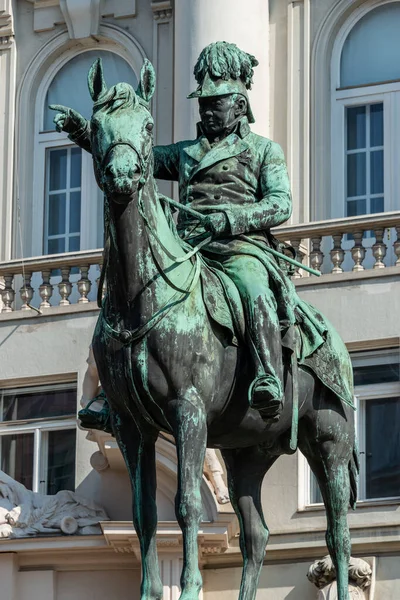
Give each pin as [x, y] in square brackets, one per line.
[328, 90]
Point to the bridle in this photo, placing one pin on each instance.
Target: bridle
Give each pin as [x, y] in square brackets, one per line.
[144, 164]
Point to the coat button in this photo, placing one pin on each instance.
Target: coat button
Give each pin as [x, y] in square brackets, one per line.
[225, 167]
[217, 196]
[190, 198]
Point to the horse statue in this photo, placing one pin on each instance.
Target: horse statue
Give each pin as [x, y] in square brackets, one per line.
[165, 365]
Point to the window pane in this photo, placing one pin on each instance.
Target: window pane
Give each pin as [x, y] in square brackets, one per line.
[383, 448]
[371, 50]
[38, 405]
[58, 169]
[75, 212]
[356, 174]
[76, 95]
[376, 170]
[356, 127]
[56, 246]
[74, 246]
[76, 165]
[57, 211]
[17, 457]
[377, 205]
[376, 131]
[377, 374]
[356, 207]
[61, 461]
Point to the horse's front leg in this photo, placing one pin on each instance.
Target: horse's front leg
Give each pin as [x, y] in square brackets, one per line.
[138, 449]
[188, 419]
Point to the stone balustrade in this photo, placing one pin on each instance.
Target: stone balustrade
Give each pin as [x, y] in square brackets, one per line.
[310, 239]
[66, 265]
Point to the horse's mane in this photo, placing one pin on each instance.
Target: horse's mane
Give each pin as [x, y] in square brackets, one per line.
[121, 95]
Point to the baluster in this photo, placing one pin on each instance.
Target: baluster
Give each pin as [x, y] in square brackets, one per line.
[379, 249]
[46, 289]
[65, 286]
[358, 251]
[8, 293]
[337, 253]
[316, 256]
[26, 291]
[396, 246]
[84, 285]
[299, 257]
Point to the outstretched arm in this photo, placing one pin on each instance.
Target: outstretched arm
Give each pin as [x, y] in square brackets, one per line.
[70, 121]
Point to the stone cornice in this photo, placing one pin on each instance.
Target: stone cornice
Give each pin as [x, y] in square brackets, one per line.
[213, 539]
[82, 18]
[6, 21]
[162, 10]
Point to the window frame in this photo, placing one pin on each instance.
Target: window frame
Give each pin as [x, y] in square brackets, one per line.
[389, 96]
[362, 394]
[40, 428]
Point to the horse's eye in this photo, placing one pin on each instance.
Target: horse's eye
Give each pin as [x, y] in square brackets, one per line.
[150, 127]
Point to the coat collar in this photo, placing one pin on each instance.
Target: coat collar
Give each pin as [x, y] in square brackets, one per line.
[205, 154]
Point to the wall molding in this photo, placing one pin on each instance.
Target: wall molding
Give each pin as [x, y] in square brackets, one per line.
[162, 9]
[82, 17]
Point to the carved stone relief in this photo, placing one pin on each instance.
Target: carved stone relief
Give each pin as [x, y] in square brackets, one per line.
[24, 513]
[322, 574]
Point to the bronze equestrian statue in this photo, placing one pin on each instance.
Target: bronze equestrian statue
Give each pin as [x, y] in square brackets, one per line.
[201, 333]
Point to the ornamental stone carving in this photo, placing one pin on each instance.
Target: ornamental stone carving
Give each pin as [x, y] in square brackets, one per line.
[322, 574]
[82, 17]
[24, 513]
[162, 9]
[6, 20]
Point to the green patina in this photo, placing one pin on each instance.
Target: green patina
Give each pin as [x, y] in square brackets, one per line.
[201, 332]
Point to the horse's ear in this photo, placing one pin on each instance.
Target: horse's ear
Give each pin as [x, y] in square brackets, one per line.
[147, 83]
[96, 83]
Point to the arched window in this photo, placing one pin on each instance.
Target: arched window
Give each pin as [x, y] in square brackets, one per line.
[365, 122]
[67, 197]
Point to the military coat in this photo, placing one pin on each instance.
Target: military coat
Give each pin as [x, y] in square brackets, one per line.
[244, 176]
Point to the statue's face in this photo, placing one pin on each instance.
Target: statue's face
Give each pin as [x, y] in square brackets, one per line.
[217, 113]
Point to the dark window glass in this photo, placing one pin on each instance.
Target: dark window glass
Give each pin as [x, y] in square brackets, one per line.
[56, 246]
[356, 174]
[53, 403]
[356, 127]
[58, 169]
[376, 172]
[61, 461]
[57, 212]
[17, 457]
[377, 374]
[76, 162]
[376, 125]
[383, 448]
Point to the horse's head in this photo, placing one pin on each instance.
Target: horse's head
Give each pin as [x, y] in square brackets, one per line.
[121, 132]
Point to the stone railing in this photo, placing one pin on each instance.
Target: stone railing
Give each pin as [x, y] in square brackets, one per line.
[321, 245]
[314, 241]
[71, 278]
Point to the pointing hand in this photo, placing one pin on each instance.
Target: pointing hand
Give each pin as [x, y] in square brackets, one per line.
[67, 119]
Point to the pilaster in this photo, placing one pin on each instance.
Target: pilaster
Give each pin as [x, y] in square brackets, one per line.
[200, 22]
[163, 59]
[8, 575]
[7, 122]
[298, 114]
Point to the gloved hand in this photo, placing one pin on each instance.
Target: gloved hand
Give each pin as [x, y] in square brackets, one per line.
[68, 119]
[217, 224]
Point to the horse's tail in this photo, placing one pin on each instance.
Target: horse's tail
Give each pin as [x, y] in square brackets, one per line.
[354, 469]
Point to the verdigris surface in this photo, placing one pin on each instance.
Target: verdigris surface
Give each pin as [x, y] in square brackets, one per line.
[201, 333]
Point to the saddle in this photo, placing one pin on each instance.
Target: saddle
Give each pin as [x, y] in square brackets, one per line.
[330, 362]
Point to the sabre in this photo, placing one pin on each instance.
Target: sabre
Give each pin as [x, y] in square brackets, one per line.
[275, 253]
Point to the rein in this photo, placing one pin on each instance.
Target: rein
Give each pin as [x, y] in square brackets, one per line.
[126, 336]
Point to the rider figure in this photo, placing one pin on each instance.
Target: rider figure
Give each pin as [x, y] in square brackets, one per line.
[240, 181]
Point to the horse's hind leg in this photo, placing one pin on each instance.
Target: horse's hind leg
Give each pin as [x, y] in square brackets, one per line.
[331, 460]
[138, 450]
[246, 468]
